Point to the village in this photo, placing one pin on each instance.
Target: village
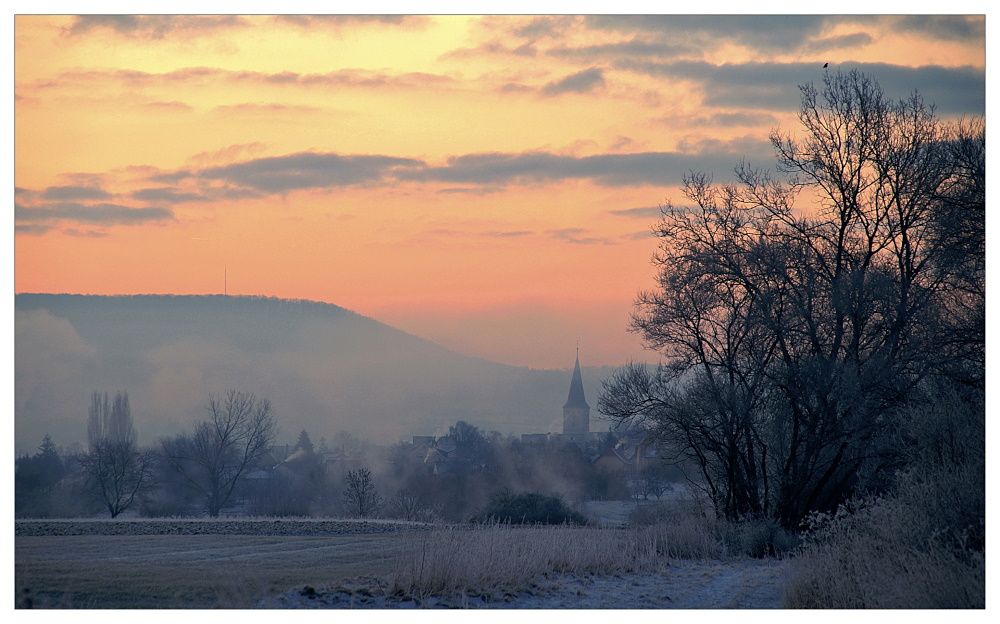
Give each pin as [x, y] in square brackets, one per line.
[450, 476]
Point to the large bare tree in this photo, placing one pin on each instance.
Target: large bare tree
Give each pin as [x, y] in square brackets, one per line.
[798, 313]
[240, 429]
[118, 470]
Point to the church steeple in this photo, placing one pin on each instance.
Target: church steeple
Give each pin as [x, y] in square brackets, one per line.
[576, 396]
[576, 412]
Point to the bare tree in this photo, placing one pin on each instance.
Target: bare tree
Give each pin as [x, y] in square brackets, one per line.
[240, 429]
[958, 228]
[409, 505]
[118, 470]
[360, 496]
[109, 421]
[119, 473]
[794, 336]
[406, 505]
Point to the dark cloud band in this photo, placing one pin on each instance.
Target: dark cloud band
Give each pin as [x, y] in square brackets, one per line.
[94, 214]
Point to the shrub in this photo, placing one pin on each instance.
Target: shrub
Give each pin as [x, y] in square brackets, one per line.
[528, 508]
[921, 547]
[922, 544]
[690, 530]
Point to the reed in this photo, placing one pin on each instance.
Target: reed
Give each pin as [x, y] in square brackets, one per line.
[497, 559]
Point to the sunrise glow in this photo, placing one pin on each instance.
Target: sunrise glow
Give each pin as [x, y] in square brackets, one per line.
[485, 182]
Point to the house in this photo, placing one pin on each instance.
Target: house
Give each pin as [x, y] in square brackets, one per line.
[613, 461]
[444, 457]
[534, 438]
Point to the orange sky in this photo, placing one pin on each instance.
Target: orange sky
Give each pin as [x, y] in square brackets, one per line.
[485, 182]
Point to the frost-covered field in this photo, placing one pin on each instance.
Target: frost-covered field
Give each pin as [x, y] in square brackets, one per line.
[213, 526]
[280, 563]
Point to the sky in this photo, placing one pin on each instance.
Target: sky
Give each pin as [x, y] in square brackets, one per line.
[486, 182]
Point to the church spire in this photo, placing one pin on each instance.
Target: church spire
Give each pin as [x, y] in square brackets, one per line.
[576, 397]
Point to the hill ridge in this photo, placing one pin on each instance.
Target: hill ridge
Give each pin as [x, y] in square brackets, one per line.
[325, 368]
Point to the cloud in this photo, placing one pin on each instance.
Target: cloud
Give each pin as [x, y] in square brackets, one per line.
[728, 120]
[307, 21]
[545, 27]
[339, 78]
[169, 107]
[580, 82]
[620, 143]
[695, 35]
[307, 170]
[633, 47]
[156, 26]
[74, 193]
[646, 212]
[476, 190]
[478, 173]
[447, 233]
[578, 236]
[499, 168]
[206, 76]
[509, 234]
[84, 233]
[265, 109]
[746, 85]
[774, 85]
[855, 40]
[945, 27]
[167, 195]
[765, 33]
[97, 214]
[751, 146]
[492, 48]
[641, 235]
[32, 229]
[227, 155]
[512, 87]
[953, 90]
[648, 168]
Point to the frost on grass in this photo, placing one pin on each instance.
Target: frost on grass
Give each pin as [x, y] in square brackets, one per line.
[501, 566]
[738, 584]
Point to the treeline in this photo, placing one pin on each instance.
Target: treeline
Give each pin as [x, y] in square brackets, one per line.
[228, 464]
[202, 469]
[451, 478]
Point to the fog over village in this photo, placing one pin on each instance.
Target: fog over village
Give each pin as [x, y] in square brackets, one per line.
[325, 369]
[499, 311]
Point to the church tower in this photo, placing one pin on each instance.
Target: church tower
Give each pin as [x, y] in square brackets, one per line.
[576, 412]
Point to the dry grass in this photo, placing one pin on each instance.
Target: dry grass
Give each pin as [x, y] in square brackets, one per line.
[498, 558]
[690, 530]
[894, 577]
[920, 548]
